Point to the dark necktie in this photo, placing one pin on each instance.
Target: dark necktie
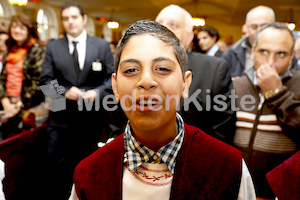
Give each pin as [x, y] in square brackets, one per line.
[75, 58]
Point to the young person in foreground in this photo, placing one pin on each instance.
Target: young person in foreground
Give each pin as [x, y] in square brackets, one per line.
[158, 156]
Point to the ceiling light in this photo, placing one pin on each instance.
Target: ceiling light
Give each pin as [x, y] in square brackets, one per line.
[19, 2]
[113, 24]
[289, 21]
[196, 21]
[291, 26]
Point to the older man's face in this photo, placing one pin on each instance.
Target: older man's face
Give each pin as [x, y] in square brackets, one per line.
[274, 48]
[256, 21]
[176, 22]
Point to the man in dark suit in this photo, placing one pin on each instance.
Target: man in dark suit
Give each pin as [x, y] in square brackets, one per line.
[82, 66]
[208, 38]
[210, 74]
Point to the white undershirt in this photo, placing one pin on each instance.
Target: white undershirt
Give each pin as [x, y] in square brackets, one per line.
[81, 47]
[152, 182]
[213, 50]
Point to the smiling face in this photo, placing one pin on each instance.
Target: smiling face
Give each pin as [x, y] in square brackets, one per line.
[149, 83]
[19, 32]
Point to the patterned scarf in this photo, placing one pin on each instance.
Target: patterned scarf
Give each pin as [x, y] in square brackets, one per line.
[17, 53]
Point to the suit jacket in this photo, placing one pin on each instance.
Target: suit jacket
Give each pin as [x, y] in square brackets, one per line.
[205, 169]
[218, 53]
[214, 74]
[59, 65]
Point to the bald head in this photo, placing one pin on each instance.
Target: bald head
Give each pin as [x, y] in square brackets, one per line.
[179, 21]
[297, 48]
[256, 18]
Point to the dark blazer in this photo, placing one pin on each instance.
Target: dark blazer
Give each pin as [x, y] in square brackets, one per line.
[211, 73]
[205, 169]
[218, 53]
[59, 65]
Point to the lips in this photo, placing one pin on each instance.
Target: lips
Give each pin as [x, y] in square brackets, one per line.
[146, 104]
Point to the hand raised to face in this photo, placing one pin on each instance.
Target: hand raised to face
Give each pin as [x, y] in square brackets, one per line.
[268, 78]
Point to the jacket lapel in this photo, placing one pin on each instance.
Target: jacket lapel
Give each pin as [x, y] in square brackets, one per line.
[115, 169]
[68, 62]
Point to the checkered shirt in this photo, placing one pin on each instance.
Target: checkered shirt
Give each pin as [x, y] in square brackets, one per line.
[136, 153]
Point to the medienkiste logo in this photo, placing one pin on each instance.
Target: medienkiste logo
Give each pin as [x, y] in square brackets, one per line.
[57, 102]
[53, 92]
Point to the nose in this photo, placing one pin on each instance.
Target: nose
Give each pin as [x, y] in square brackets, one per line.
[17, 29]
[147, 80]
[271, 59]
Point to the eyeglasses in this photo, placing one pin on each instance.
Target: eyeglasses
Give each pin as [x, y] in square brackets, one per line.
[18, 25]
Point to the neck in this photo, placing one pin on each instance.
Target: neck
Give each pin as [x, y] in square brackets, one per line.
[155, 139]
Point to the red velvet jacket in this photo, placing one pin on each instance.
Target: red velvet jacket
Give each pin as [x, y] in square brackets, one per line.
[205, 169]
[285, 179]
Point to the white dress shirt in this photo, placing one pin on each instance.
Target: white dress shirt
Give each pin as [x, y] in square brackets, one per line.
[81, 47]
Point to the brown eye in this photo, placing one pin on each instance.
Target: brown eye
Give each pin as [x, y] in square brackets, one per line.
[163, 69]
[130, 70]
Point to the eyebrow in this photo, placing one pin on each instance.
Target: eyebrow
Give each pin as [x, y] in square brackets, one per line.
[159, 59]
[280, 51]
[130, 60]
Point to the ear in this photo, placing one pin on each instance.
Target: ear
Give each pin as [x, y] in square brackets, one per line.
[85, 19]
[252, 53]
[215, 38]
[187, 80]
[190, 38]
[115, 86]
[291, 59]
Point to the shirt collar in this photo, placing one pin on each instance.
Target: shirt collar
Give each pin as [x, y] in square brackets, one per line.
[251, 73]
[246, 43]
[137, 154]
[213, 50]
[81, 38]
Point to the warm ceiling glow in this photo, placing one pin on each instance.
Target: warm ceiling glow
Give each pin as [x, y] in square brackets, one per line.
[291, 26]
[19, 2]
[113, 25]
[39, 30]
[198, 21]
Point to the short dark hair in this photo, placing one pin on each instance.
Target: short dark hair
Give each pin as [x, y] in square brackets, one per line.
[212, 32]
[275, 25]
[158, 31]
[31, 26]
[72, 4]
